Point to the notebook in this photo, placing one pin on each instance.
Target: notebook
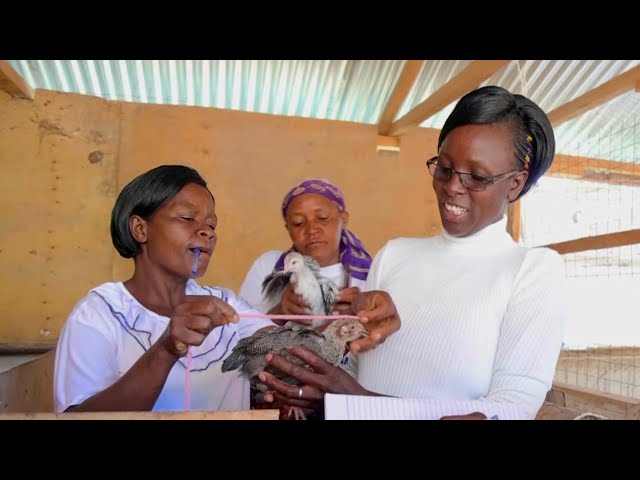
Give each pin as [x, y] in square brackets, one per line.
[355, 407]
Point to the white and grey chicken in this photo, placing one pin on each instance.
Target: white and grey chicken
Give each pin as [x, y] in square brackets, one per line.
[303, 272]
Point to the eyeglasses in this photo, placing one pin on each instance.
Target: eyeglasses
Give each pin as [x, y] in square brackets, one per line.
[470, 181]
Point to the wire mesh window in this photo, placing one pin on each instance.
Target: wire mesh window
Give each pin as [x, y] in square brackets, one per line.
[595, 191]
[558, 209]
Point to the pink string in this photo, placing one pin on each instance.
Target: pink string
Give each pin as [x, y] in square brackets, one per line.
[187, 386]
[298, 317]
[187, 380]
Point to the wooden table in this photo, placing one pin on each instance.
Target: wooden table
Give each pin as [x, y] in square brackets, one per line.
[192, 415]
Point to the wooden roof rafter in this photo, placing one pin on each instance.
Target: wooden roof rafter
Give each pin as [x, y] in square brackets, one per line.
[469, 78]
[398, 96]
[595, 97]
[13, 83]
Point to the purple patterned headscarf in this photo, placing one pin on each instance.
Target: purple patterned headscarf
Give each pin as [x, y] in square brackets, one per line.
[353, 255]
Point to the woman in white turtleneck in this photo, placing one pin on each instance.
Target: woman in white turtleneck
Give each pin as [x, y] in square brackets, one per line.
[482, 317]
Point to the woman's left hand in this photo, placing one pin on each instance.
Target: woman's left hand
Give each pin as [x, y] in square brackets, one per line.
[344, 299]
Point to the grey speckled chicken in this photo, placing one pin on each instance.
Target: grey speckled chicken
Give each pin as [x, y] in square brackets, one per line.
[249, 353]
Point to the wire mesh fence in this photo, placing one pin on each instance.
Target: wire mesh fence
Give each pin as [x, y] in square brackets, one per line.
[595, 190]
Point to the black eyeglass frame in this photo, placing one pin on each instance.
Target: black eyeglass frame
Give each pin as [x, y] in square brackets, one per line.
[466, 176]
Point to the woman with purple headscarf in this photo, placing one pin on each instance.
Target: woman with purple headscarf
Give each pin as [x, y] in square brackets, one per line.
[316, 219]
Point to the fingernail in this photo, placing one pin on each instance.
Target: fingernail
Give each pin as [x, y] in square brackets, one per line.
[268, 397]
[268, 357]
[262, 378]
[376, 336]
[236, 318]
[355, 348]
[364, 320]
[335, 312]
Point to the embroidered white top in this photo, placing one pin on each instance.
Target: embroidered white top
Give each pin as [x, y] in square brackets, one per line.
[107, 332]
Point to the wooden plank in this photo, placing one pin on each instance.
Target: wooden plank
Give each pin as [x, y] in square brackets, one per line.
[28, 387]
[607, 404]
[615, 87]
[633, 412]
[607, 240]
[13, 83]
[599, 407]
[401, 90]
[468, 79]
[261, 414]
[21, 348]
[553, 411]
[569, 389]
[556, 397]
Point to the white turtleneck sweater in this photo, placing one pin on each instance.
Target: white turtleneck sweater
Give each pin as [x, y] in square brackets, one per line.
[482, 319]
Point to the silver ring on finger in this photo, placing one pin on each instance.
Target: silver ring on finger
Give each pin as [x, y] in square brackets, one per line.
[299, 392]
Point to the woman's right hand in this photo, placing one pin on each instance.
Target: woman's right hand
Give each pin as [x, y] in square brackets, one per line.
[322, 378]
[291, 304]
[193, 320]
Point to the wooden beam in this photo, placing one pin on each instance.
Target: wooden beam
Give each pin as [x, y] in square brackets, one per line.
[638, 86]
[607, 240]
[389, 144]
[513, 220]
[623, 83]
[595, 170]
[469, 78]
[403, 87]
[19, 348]
[611, 178]
[12, 83]
[574, 166]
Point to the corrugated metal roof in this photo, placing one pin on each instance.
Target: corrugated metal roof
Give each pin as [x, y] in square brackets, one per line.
[347, 90]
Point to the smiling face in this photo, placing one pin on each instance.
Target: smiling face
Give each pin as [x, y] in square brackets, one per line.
[485, 150]
[169, 236]
[315, 224]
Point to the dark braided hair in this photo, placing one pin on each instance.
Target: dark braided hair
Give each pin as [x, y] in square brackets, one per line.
[534, 142]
